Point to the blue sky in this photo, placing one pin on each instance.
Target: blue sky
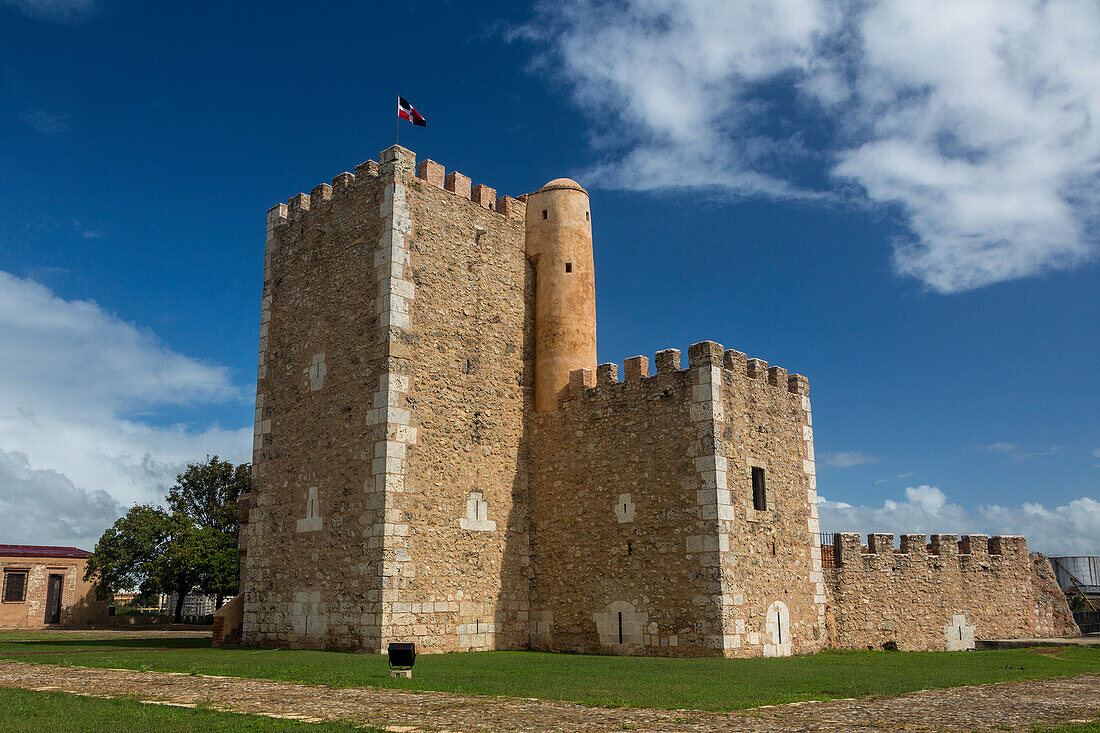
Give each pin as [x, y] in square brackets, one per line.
[901, 205]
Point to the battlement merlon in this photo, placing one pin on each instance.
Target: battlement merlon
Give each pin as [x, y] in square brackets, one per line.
[848, 551]
[428, 171]
[667, 361]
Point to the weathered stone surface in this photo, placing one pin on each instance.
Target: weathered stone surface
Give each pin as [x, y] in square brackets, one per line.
[439, 459]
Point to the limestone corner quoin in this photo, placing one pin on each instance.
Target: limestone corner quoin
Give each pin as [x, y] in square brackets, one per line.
[438, 459]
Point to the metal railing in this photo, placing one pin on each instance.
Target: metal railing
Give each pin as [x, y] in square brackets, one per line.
[1089, 621]
[825, 540]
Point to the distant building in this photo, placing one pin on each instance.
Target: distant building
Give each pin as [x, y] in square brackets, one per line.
[194, 605]
[44, 586]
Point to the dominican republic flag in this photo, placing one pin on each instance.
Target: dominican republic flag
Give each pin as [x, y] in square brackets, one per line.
[406, 112]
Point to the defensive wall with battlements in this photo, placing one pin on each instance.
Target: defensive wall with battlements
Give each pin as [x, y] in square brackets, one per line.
[941, 594]
[439, 459]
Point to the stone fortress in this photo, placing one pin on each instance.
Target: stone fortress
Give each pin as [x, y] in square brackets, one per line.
[439, 459]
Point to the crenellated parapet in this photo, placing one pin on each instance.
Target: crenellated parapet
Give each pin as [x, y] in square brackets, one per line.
[427, 171]
[668, 361]
[967, 551]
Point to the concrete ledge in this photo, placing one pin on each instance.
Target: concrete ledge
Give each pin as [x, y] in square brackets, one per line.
[1087, 640]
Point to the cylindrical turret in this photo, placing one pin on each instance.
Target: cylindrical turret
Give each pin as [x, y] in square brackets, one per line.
[559, 243]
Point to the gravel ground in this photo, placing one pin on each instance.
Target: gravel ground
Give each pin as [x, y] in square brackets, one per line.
[1007, 706]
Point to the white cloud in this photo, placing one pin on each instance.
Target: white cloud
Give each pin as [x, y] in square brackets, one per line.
[1000, 447]
[45, 508]
[977, 120]
[1096, 452]
[72, 379]
[1071, 529]
[847, 459]
[57, 11]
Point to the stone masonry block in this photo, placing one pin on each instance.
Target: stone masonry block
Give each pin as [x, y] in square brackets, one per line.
[913, 544]
[457, 184]
[946, 545]
[777, 377]
[509, 207]
[321, 192]
[366, 169]
[636, 367]
[431, 173]
[297, 205]
[705, 353]
[734, 361]
[846, 547]
[607, 374]
[579, 379]
[343, 182]
[756, 368]
[484, 196]
[668, 360]
[798, 384]
[975, 545]
[880, 542]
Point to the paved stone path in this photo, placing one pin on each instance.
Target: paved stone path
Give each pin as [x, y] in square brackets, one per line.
[1006, 706]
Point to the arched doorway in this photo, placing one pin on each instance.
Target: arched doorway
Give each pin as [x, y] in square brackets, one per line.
[777, 631]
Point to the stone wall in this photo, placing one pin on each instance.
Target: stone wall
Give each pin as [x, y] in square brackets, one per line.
[773, 552]
[642, 540]
[78, 604]
[312, 568]
[389, 483]
[459, 573]
[613, 503]
[941, 595]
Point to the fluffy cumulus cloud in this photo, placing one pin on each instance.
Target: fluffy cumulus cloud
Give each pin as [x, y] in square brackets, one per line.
[1072, 529]
[73, 379]
[57, 11]
[977, 121]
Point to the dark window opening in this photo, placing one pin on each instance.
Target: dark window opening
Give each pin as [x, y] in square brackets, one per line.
[759, 491]
[587, 216]
[629, 548]
[620, 627]
[569, 267]
[544, 213]
[15, 587]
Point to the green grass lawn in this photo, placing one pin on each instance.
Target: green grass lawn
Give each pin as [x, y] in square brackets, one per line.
[49, 712]
[702, 684]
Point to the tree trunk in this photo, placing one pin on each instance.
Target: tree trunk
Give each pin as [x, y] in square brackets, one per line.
[182, 594]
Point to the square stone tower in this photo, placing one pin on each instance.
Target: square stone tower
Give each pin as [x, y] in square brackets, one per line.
[390, 473]
[439, 460]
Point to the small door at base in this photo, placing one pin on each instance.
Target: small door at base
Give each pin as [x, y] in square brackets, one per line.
[53, 599]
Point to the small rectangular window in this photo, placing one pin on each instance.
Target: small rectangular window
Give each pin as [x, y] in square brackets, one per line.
[15, 586]
[759, 491]
[569, 267]
[544, 213]
[588, 216]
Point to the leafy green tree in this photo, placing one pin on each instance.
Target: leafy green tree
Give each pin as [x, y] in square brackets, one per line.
[207, 492]
[192, 544]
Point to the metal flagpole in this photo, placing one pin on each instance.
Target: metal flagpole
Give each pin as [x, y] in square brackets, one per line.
[397, 127]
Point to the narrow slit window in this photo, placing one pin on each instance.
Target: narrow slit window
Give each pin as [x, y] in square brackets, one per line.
[544, 213]
[569, 267]
[588, 216]
[620, 627]
[759, 490]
